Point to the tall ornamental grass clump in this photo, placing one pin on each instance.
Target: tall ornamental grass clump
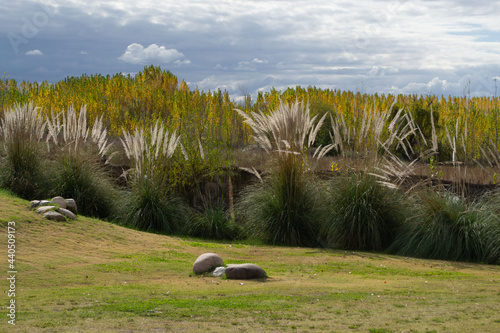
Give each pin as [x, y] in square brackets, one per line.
[283, 209]
[151, 204]
[213, 223]
[79, 152]
[362, 213]
[491, 225]
[365, 209]
[445, 227]
[22, 128]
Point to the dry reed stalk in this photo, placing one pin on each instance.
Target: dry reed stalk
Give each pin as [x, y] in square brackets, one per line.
[392, 170]
[288, 129]
[149, 152]
[72, 131]
[23, 122]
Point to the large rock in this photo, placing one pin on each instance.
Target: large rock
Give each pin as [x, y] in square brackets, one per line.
[34, 204]
[71, 205]
[207, 262]
[245, 272]
[59, 201]
[54, 216]
[44, 209]
[69, 214]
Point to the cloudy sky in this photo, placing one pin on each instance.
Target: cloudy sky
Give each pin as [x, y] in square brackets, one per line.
[397, 46]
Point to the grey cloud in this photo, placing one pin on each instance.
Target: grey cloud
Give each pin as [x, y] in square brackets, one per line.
[138, 54]
[386, 46]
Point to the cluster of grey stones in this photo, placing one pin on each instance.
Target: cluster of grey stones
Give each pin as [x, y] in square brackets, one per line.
[211, 262]
[57, 209]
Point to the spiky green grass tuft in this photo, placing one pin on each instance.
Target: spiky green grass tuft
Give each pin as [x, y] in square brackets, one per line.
[213, 223]
[283, 209]
[446, 227]
[21, 130]
[362, 213]
[491, 225]
[82, 179]
[149, 206]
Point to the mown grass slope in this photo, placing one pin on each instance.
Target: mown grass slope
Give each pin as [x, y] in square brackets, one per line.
[88, 275]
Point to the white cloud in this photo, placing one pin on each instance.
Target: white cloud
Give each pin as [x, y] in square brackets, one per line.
[250, 65]
[258, 61]
[34, 53]
[137, 54]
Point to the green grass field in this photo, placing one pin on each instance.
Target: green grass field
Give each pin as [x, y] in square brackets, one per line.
[93, 276]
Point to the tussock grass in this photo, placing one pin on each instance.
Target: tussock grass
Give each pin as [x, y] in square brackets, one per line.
[84, 180]
[285, 208]
[22, 128]
[78, 171]
[151, 207]
[491, 225]
[213, 223]
[282, 210]
[362, 213]
[446, 227]
[151, 204]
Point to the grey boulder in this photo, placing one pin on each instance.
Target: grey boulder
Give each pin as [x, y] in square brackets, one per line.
[54, 216]
[60, 201]
[69, 214]
[207, 262]
[71, 206]
[44, 209]
[245, 272]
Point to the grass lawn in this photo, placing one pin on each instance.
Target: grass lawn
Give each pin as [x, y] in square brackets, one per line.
[93, 276]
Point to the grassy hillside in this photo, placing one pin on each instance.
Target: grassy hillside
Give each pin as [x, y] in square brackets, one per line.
[88, 275]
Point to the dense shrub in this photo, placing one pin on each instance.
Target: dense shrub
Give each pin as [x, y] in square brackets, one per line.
[283, 209]
[362, 214]
[444, 227]
[213, 223]
[21, 164]
[150, 206]
[77, 151]
[82, 179]
[491, 232]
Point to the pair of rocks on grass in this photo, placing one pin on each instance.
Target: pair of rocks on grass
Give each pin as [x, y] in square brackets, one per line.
[57, 209]
[207, 262]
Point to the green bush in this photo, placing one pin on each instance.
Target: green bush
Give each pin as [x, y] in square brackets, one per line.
[445, 227]
[82, 179]
[77, 171]
[361, 213]
[213, 223]
[150, 206]
[284, 209]
[21, 154]
[21, 168]
[491, 230]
